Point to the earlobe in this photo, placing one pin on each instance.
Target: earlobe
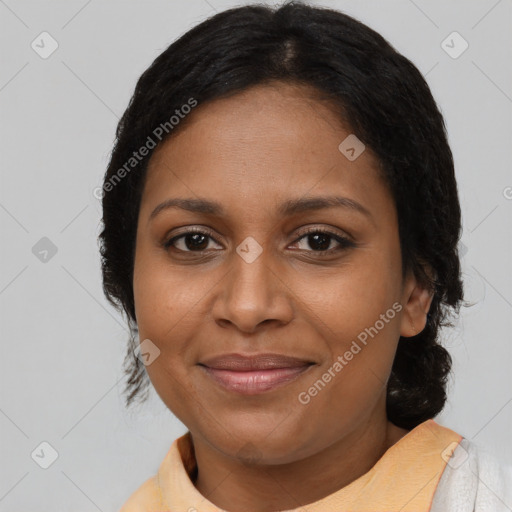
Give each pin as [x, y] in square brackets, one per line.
[416, 307]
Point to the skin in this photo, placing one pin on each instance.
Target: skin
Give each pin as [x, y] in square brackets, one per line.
[250, 153]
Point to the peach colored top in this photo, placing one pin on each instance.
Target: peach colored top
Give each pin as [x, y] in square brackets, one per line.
[404, 479]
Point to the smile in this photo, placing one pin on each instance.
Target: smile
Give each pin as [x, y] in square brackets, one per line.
[255, 381]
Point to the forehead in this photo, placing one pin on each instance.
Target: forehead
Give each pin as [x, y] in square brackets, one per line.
[261, 145]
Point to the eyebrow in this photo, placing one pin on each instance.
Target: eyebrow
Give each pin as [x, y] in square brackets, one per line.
[290, 207]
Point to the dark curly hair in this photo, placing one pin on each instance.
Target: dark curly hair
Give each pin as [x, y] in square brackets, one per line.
[376, 91]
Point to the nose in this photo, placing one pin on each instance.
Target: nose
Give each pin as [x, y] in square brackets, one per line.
[253, 295]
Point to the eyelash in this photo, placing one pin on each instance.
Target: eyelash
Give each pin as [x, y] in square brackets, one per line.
[344, 242]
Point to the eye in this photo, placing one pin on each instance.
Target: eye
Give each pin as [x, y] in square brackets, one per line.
[321, 241]
[191, 241]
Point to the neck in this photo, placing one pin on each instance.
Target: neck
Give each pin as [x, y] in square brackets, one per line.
[232, 485]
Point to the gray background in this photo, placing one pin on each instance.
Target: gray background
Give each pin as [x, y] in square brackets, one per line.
[63, 346]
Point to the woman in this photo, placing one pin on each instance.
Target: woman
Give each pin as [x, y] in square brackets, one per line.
[281, 223]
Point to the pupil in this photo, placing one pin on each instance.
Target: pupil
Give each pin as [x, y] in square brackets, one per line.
[323, 245]
[316, 241]
[197, 241]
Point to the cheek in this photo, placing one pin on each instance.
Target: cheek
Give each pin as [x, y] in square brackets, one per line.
[354, 377]
[163, 305]
[357, 313]
[352, 297]
[169, 308]
[162, 297]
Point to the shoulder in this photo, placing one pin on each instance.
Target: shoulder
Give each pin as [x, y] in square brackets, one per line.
[474, 480]
[145, 499]
[149, 496]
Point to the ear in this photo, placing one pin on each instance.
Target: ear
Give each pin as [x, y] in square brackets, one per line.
[416, 300]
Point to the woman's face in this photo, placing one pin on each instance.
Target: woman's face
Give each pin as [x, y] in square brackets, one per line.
[254, 282]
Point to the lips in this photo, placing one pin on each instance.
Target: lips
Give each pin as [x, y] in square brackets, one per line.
[251, 375]
[240, 363]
